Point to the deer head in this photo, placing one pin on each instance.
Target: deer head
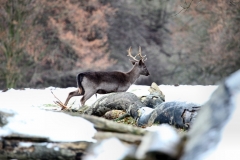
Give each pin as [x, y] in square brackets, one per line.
[139, 62]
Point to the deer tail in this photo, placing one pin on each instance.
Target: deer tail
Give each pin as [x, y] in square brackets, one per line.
[79, 83]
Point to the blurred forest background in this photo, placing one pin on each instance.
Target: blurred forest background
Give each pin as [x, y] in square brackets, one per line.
[47, 42]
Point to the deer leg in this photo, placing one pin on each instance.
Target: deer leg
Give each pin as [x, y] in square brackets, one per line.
[72, 94]
[86, 97]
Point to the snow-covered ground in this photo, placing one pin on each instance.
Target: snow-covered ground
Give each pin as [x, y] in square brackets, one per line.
[44, 98]
[28, 101]
[30, 120]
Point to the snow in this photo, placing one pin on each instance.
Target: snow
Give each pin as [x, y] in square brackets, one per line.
[44, 98]
[52, 125]
[31, 117]
[192, 94]
[111, 148]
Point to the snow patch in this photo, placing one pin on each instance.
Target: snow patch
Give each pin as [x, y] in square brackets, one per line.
[31, 120]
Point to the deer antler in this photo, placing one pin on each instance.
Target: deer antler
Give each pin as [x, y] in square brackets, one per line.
[131, 56]
[135, 57]
[140, 55]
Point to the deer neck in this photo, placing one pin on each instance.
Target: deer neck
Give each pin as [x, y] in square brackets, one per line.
[133, 74]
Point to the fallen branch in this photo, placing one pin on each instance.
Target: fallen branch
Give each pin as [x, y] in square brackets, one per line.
[125, 101]
[122, 117]
[129, 138]
[59, 103]
[178, 114]
[26, 149]
[108, 125]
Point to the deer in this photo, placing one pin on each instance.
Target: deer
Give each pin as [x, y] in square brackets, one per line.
[90, 83]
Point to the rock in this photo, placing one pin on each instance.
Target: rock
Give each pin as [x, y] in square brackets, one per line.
[155, 90]
[125, 101]
[151, 109]
[178, 114]
[151, 100]
[154, 98]
[160, 142]
[211, 122]
[113, 114]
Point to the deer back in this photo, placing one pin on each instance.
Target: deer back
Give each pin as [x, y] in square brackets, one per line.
[105, 82]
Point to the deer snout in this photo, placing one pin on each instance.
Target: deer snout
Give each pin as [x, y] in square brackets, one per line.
[147, 74]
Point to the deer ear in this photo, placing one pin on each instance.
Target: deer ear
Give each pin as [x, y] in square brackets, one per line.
[133, 62]
[140, 62]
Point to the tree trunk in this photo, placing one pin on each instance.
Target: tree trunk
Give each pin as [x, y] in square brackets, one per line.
[177, 114]
[126, 101]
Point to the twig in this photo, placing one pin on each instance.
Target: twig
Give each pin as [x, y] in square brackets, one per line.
[184, 8]
[126, 137]
[59, 103]
[122, 117]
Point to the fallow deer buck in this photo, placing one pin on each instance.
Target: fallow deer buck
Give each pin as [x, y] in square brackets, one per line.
[90, 83]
